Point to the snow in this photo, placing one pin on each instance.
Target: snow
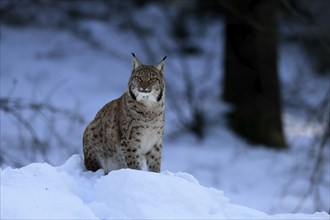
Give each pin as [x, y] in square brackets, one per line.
[41, 191]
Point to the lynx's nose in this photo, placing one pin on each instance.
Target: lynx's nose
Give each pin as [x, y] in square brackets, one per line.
[144, 90]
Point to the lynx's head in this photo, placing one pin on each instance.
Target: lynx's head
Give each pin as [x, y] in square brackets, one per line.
[146, 83]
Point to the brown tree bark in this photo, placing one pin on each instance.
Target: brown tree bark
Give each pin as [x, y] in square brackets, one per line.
[251, 82]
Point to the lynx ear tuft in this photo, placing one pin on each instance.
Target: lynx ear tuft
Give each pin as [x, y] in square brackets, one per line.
[136, 62]
[160, 65]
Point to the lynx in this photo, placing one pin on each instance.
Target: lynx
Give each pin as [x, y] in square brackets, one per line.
[128, 131]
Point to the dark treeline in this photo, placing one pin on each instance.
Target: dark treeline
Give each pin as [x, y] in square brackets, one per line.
[253, 32]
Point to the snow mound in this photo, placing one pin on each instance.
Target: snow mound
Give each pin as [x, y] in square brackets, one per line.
[40, 191]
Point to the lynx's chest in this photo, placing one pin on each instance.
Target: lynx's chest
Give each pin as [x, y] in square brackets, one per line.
[151, 134]
[148, 140]
[147, 123]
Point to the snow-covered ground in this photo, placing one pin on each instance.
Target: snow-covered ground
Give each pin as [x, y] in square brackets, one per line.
[41, 191]
[53, 66]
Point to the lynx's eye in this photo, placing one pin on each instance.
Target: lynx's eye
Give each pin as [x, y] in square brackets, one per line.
[152, 80]
[138, 78]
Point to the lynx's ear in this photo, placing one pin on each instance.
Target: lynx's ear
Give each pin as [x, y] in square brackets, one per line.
[136, 62]
[160, 65]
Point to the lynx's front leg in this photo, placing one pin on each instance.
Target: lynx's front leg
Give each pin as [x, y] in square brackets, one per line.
[153, 158]
[133, 159]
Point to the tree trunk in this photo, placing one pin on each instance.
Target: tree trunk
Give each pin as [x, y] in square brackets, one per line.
[251, 82]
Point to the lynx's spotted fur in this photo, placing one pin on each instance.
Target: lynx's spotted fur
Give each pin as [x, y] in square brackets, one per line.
[129, 130]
